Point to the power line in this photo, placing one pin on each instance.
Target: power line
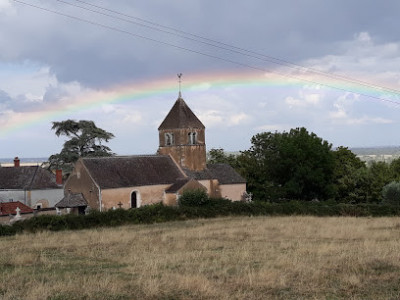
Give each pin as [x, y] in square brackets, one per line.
[201, 53]
[232, 48]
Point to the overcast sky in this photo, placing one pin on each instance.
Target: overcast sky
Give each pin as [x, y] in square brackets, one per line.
[53, 54]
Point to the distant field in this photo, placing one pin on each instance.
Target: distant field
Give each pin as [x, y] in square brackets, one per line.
[227, 258]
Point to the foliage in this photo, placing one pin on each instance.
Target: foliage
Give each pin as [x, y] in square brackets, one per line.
[193, 198]
[85, 140]
[391, 193]
[395, 169]
[294, 165]
[218, 156]
[6, 230]
[210, 209]
[349, 176]
[381, 175]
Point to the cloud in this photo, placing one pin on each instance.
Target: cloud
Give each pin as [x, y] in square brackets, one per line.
[50, 60]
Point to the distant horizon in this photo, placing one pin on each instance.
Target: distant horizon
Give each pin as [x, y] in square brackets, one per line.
[38, 159]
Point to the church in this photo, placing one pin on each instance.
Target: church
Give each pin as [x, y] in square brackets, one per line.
[180, 164]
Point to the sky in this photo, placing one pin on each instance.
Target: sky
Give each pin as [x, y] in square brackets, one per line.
[330, 66]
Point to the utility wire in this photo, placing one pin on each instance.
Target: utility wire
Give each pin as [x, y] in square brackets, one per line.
[199, 52]
[225, 46]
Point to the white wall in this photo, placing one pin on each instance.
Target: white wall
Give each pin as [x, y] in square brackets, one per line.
[50, 196]
[14, 195]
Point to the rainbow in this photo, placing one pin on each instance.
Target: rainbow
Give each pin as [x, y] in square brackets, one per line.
[169, 86]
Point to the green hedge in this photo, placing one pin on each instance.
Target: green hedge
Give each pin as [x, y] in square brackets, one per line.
[212, 208]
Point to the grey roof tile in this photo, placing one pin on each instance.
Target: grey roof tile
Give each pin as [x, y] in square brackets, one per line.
[27, 178]
[72, 200]
[180, 182]
[181, 116]
[138, 170]
[223, 172]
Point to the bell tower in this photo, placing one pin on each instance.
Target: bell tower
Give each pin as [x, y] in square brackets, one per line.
[182, 135]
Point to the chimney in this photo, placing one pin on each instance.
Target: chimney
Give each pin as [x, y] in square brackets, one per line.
[16, 162]
[59, 177]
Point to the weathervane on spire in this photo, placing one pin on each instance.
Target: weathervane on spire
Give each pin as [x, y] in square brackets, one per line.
[180, 81]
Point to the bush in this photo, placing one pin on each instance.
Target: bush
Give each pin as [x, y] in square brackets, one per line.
[6, 230]
[194, 198]
[209, 208]
[391, 193]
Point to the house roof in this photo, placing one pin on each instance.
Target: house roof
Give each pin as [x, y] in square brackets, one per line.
[180, 182]
[8, 208]
[72, 200]
[181, 116]
[223, 172]
[27, 178]
[127, 171]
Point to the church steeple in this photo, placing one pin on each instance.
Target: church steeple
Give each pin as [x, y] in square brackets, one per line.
[182, 135]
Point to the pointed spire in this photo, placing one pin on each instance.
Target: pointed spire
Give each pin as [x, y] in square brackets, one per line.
[180, 81]
[181, 116]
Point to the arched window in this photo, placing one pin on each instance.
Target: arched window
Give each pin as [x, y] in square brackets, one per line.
[135, 199]
[169, 139]
[192, 138]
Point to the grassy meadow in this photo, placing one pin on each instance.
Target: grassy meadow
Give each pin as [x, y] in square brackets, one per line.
[226, 258]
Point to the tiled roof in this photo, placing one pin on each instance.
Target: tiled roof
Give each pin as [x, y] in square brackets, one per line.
[223, 172]
[72, 200]
[181, 116]
[8, 208]
[180, 182]
[26, 178]
[127, 171]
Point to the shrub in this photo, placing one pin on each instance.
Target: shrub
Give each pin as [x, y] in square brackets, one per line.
[194, 198]
[391, 193]
[199, 206]
[6, 230]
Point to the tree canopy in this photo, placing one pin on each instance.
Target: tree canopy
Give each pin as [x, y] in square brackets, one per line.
[85, 140]
[295, 165]
[218, 156]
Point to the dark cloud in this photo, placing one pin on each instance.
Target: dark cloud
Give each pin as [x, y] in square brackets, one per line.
[95, 56]
[4, 98]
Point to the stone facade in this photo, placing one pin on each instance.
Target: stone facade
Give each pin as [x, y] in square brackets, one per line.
[186, 155]
[182, 135]
[80, 181]
[180, 164]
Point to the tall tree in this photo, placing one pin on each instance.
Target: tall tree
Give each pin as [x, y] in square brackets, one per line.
[348, 177]
[85, 140]
[295, 165]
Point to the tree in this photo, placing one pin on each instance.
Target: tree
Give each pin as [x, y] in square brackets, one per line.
[85, 141]
[395, 169]
[381, 174]
[218, 156]
[294, 165]
[391, 193]
[347, 176]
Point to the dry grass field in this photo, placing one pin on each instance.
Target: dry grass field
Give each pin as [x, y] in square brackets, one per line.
[226, 258]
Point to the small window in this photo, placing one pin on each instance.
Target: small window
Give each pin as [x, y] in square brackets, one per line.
[169, 139]
[39, 206]
[134, 201]
[192, 138]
